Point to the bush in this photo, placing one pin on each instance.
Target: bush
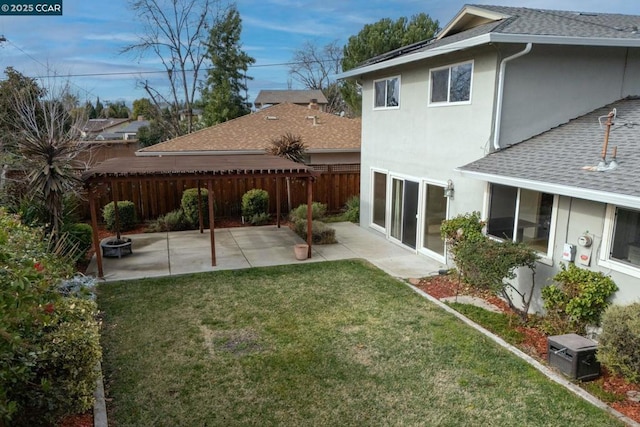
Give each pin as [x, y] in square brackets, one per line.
[172, 221]
[321, 233]
[189, 203]
[79, 235]
[50, 344]
[318, 211]
[578, 299]
[352, 209]
[619, 342]
[255, 202]
[126, 215]
[487, 263]
[259, 219]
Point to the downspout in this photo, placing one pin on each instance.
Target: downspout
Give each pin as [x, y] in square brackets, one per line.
[503, 66]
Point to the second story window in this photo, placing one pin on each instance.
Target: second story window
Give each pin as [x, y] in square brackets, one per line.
[387, 92]
[452, 84]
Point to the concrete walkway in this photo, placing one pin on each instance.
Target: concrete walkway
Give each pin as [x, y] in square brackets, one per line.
[181, 252]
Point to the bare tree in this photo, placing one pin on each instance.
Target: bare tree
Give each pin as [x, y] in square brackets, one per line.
[175, 31]
[46, 135]
[315, 67]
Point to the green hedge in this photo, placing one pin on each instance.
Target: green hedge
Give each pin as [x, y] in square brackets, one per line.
[321, 233]
[619, 342]
[255, 206]
[318, 211]
[126, 215]
[189, 203]
[49, 342]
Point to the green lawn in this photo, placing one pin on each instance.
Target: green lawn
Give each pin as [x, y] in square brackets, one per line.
[319, 344]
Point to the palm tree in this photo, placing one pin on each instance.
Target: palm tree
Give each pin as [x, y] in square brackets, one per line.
[289, 147]
[46, 135]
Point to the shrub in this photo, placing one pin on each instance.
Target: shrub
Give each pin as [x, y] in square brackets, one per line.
[578, 299]
[321, 233]
[173, 221]
[50, 345]
[318, 211]
[487, 263]
[462, 227]
[259, 219]
[255, 202]
[126, 215]
[619, 342]
[79, 235]
[189, 203]
[352, 209]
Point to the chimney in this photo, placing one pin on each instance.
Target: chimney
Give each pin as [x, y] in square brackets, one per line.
[140, 118]
[313, 104]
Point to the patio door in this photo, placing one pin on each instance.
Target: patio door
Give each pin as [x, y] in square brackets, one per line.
[435, 211]
[404, 211]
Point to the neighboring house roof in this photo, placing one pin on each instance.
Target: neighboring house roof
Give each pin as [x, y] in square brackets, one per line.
[99, 125]
[253, 133]
[133, 127]
[271, 97]
[477, 25]
[553, 161]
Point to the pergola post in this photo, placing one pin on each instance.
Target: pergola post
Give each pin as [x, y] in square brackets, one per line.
[200, 219]
[114, 196]
[94, 225]
[211, 223]
[309, 214]
[278, 200]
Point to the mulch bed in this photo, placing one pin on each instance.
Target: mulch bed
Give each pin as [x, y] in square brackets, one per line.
[535, 341]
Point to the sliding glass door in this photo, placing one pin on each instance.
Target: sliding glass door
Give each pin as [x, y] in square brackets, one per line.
[404, 211]
[435, 211]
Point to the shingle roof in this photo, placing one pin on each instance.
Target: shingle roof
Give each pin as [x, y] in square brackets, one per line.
[566, 23]
[133, 126]
[268, 97]
[254, 132]
[517, 24]
[557, 156]
[98, 125]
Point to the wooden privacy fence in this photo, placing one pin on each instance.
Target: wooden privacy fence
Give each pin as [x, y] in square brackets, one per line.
[152, 198]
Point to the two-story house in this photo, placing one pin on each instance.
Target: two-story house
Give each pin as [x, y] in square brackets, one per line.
[453, 125]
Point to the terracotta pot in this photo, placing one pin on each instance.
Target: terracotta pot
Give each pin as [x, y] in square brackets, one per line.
[301, 250]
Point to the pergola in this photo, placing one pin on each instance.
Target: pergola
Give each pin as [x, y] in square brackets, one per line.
[203, 169]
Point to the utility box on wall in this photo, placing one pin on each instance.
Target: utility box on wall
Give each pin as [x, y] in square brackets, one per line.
[574, 356]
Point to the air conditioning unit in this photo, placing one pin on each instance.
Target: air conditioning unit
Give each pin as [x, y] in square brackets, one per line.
[574, 356]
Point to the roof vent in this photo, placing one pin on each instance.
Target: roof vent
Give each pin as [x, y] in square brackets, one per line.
[271, 118]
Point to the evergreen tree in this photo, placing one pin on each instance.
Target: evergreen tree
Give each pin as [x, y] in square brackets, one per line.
[378, 38]
[222, 93]
[99, 108]
[90, 111]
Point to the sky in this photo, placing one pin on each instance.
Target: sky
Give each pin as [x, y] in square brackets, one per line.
[89, 36]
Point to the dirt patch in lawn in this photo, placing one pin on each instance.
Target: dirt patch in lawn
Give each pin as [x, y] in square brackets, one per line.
[618, 393]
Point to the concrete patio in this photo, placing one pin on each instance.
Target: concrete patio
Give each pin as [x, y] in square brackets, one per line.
[181, 252]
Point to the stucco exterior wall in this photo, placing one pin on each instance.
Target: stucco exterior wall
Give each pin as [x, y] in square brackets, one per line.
[575, 218]
[428, 142]
[554, 84]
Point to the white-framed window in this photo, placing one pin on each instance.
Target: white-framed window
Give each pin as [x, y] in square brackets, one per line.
[621, 240]
[522, 215]
[386, 93]
[451, 84]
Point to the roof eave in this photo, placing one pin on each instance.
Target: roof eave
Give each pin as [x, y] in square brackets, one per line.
[551, 188]
[486, 39]
[140, 153]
